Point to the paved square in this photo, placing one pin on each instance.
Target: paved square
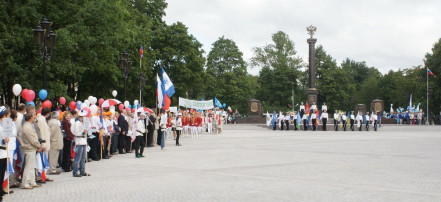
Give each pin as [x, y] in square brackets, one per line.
[252, 163]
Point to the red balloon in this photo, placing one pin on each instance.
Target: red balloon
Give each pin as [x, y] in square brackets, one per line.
[120, 107]
[62, 100]
[47, 104]
[30, 95]
[39, 111]
[24, 93]
[72, 105]
[88, 111]
[128, 109]
[100, 101]
[133, 110]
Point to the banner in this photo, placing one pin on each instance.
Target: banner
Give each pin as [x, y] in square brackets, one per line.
[173, 109]
[196, 104]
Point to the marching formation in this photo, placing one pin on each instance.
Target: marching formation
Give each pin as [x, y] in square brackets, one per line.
[310, 118]
[34, 143]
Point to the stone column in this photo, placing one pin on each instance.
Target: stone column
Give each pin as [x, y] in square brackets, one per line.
[312, 90]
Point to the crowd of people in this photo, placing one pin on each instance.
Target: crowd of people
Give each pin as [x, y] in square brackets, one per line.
[310, 118]
[46, 142]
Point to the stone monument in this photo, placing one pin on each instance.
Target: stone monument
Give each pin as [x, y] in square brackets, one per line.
[360, 108]
[255, 113]
[311, 92]
[377, 105]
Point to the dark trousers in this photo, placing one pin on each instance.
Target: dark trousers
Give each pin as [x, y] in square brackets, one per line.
[314, 127]
[274, 127]
[304, 125]
[352, 124]
[158, 141]
[114, 143]
[367, 125]
[375, 125]
[361, 126]
[335, 125]
[344, 125]
[104, 146]
[128, 143]
[282, 123]
[287, 124]
[324, 123]
[2, 176]
[121, 139]
[295, 124]
[150, 136]
[67, 163]
[138, 144]
[178, 134]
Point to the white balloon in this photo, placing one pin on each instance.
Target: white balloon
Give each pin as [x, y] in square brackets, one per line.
[114, 93]
[126, 103]
[87, 103]
[94, 100]
[112, 110]
[112, 107]
[83, 105]
[90, 99]
[16, 89]
[136, 102]
[93, 109]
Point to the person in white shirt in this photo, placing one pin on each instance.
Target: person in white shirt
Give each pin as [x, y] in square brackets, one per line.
[374, 120]
[352, 120]
[163, 127]
[138, 144]
[281, 121]
[295, 120]
[80, 145]
[302, 109]
[324, 119]
[336, 120]
[313, 107]
[343, 120]
[287, 119]
[179, 128]
[305, 119]
[324, 107]
[314, 119]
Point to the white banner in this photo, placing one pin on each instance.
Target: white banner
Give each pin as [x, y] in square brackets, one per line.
[196, 104]
[173, 109]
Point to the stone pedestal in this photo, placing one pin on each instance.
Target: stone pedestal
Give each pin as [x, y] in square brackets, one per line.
[311, 95]
[360, 108]
[255, 113]
[377, 106]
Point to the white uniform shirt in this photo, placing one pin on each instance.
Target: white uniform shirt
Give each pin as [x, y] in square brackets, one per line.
[374, 117]
[140, 128]
[78, 129]
[367, 117]
[352, 117]
[314, 107]
[313, 116]
[324, 115]
[335, 116]
[302, 107]
[163, 123]
[304, 117]
[343, 117]
[324, 107]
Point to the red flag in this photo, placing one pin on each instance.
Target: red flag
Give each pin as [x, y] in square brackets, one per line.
[307, 108]
[167, 102]
[430, 73]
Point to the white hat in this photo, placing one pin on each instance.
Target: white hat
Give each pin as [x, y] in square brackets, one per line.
[179, 114]
[142, 114]
[82, 113]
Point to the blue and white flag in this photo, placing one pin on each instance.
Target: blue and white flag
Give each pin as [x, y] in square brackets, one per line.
[169, 88]
[217, 103]
[159, 92]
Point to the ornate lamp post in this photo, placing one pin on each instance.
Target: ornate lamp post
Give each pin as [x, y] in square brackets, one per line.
[141, 85]
[124, 65]
[45, 39]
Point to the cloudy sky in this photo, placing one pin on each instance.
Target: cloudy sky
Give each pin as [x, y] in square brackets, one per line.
[386, 34]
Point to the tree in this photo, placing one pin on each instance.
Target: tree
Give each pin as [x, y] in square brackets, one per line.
[279, 68]
[433, 62]
[227, 74]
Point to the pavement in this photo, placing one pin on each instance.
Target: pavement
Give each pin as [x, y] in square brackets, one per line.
[252, 163]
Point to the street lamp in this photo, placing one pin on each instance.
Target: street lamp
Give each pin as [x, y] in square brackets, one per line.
[45, 39]
[124, 65]
[293, 108]
[141, 85]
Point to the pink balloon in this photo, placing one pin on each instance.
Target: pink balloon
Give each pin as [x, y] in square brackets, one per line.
[88, 111]
[30, 95]
[100, 101]
[62, 100]
[24, 93]
[133, 110]
[128, 109]
[120, 107]
[47, 104]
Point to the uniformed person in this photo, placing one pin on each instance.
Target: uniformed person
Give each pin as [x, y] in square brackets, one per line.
[302, 110]
[324, 118]
[343, 120]
[352, 120]
[336, 120]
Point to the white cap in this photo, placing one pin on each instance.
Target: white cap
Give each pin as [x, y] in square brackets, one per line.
[82, 113]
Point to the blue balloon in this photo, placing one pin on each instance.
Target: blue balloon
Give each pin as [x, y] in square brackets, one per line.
[224, 105]
[31, 103]
[79, 105]
[202, 99]
[42, 94]
[130, 106]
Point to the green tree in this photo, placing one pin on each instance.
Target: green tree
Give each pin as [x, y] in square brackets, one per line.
[227, 75]
[280, 67]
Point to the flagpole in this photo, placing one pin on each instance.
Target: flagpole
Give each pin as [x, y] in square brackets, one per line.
[140, 62]
[7, 170]
[427, 95]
